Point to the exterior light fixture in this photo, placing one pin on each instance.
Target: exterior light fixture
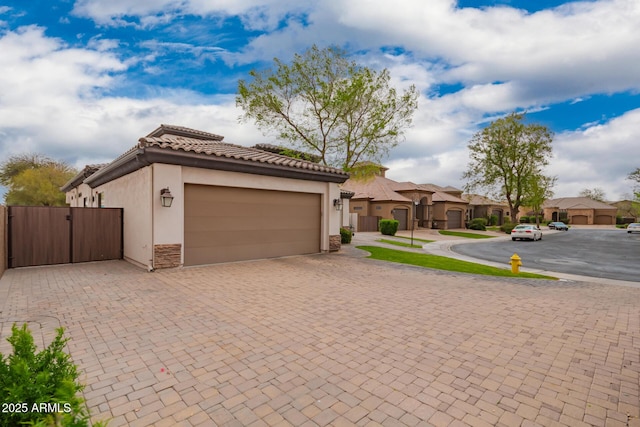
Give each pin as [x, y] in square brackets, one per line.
[166, 197]
[337, 203]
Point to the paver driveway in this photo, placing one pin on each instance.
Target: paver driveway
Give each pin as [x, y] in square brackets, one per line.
[337, 340]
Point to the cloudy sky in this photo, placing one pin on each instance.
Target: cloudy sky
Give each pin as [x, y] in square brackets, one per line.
[82, 80]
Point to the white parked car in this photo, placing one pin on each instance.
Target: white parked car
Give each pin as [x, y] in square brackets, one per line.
[526, 232]
[634, 227]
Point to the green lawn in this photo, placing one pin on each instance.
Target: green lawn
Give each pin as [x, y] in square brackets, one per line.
[463, 234]
[443, 263]
[395, 242]
[415, 239]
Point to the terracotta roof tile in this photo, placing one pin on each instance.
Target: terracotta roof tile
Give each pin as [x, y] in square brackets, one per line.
[223, 149]
[576, 203]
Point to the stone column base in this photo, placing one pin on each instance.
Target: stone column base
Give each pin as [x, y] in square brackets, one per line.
[335, 242]
[167, 256]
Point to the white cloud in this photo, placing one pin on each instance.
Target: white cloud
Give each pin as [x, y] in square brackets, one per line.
[53, 103]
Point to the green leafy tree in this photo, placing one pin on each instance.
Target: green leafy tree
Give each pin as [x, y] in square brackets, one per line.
[635, 176]
[539, 189]
[326, 104]
[507, 159]
[34, 180]
[593, 193]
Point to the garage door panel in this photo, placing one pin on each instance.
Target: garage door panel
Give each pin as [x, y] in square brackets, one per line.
[226, 238]
[229, 224]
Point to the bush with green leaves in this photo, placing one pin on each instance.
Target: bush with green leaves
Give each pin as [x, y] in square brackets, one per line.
[388, 227]
[47, 379]
[493, 220]
[478, 224]
[507, 227]
[524, 219]
[345, 235]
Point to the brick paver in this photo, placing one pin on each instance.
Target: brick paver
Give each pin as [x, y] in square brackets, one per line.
[336, 340]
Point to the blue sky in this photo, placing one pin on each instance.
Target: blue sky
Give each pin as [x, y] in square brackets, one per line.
[83, 80]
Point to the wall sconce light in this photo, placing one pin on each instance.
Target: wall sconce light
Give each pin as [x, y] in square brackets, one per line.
[337, 203]
[166, 197]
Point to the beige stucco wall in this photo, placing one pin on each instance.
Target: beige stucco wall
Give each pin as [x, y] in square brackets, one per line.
[328, 191]
[581, 212]
[132, 192]
[75, 197]
[361, 207]
[440, 213]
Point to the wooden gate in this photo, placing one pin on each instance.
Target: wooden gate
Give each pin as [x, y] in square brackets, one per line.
[43, 235]
[368, 223]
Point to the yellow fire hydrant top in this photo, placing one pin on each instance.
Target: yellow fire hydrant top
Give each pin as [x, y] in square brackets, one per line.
[516, 262]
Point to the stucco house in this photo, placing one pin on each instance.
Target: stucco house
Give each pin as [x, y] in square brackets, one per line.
[191, 199]
[628, 210]
[579, 211]
[378, 197]
[484, 207]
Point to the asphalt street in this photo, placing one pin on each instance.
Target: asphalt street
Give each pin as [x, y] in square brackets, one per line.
[611, 254]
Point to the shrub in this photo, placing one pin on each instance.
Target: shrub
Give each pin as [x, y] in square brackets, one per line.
[48, 377]
[478, 224]
[524, 219]
[507, 227]
[388, 227]
[493, 220]
[345, 235]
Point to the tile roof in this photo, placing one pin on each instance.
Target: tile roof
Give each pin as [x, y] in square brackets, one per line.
[375, 188]
[189, 147]
[183, 131]
[443, 196]
[378, 189]
[576, 203]
[478, 200]
[223, 149]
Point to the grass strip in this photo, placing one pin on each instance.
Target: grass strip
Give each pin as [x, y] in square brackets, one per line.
[395, 242]
[443, 263]
[415, 239]
[463, 234]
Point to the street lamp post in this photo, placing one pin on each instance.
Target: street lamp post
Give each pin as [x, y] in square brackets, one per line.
[413, 219]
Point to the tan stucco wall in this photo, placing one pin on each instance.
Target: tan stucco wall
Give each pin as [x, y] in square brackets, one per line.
[132, 192]
[581, 212]
[328, 192]
[440, 213]
[75, 197]
[361, 207]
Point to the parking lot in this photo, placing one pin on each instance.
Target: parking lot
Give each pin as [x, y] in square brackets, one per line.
[602, 253]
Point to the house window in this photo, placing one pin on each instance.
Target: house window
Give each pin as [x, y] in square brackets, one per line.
[357, 208]
[378, 208]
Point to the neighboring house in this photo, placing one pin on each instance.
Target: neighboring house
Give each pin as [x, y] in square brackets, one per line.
[579, 211]
[80, 195]
[483, 207]
[229, 202]
[377, 197]
[628, 210]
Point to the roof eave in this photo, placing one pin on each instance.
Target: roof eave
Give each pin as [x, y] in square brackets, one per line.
[142, 157]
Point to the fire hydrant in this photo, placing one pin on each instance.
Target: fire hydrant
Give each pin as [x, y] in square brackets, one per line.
[516, 262]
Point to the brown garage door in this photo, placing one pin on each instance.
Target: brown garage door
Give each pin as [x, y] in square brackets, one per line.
[401, 215]
[604, 220]
[454, 219]
[223, 224]
[579, 220]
